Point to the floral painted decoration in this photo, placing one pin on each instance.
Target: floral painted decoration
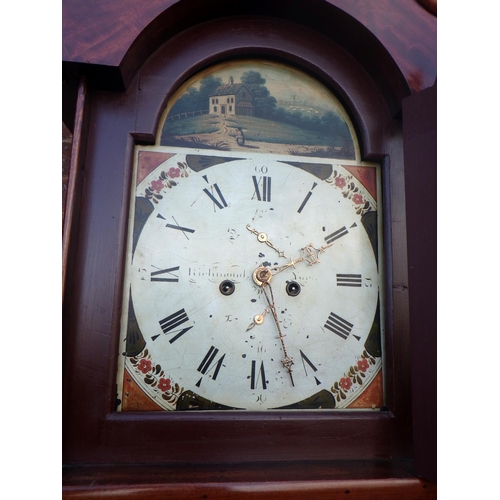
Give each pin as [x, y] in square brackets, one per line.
[354, 377]
[153, 375]
[350, 191]
[165, 180]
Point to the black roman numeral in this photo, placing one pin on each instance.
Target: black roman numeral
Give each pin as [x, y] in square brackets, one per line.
[170, 323]
[172, 278]
[208, 363]
[336, 235]
[306, 199]
[180, 228]
[338, 325]
[349, 280]
[177, 226]
[266, 188]
[305, 360]
[219, 203]
[258, 374]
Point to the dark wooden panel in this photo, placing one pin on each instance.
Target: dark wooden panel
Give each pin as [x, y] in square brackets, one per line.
[67, 141]
[383, 480]
[398, 389]
[385, 489]
[74, 179]
[119, 35]
[420, 140]
[251, 437]
[408, 32]
[107, 475]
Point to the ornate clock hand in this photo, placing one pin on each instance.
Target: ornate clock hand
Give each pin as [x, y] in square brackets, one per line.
[263, 276]
[262, 237]
[309, 253]
[287, 360]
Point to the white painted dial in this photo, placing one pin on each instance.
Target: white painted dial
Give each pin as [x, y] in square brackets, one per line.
[209, 336]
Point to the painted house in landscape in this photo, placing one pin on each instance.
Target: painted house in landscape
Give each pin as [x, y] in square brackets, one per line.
[232, 99]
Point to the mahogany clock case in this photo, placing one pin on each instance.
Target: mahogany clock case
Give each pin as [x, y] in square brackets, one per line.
[111, 124]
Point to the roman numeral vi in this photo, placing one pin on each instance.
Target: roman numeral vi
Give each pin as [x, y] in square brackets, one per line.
[256, 374]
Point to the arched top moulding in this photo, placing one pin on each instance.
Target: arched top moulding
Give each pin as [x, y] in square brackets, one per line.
[394, 40]
[226, 39]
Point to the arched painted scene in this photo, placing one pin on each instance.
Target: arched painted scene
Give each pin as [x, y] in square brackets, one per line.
[258, 106]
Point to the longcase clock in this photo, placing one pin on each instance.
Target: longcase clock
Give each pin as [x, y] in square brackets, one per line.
[236, 301]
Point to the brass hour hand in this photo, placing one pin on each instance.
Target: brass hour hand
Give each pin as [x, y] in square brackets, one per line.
[310, 254]
[263, 238]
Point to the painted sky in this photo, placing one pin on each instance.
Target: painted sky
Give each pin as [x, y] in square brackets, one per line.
[282, 81]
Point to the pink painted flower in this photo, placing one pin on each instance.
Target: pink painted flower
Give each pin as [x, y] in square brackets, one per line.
[358, 199]
[363, 365]
[174, 172]
[157, 185]
[345, 383]
[144, 365]
[340, 182]
[164, 384]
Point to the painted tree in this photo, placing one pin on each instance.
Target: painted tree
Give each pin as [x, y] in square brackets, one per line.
[196, 99]
[264, 102]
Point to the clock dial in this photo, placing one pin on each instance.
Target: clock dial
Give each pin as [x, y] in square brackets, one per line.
[251, 284]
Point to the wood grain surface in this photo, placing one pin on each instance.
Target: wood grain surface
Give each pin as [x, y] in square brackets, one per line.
[296, 480]
[387, 489]
[115, 34]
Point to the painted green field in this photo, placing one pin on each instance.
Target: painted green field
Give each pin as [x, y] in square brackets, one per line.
[255, 129]
[205, 124]
[260, 130]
